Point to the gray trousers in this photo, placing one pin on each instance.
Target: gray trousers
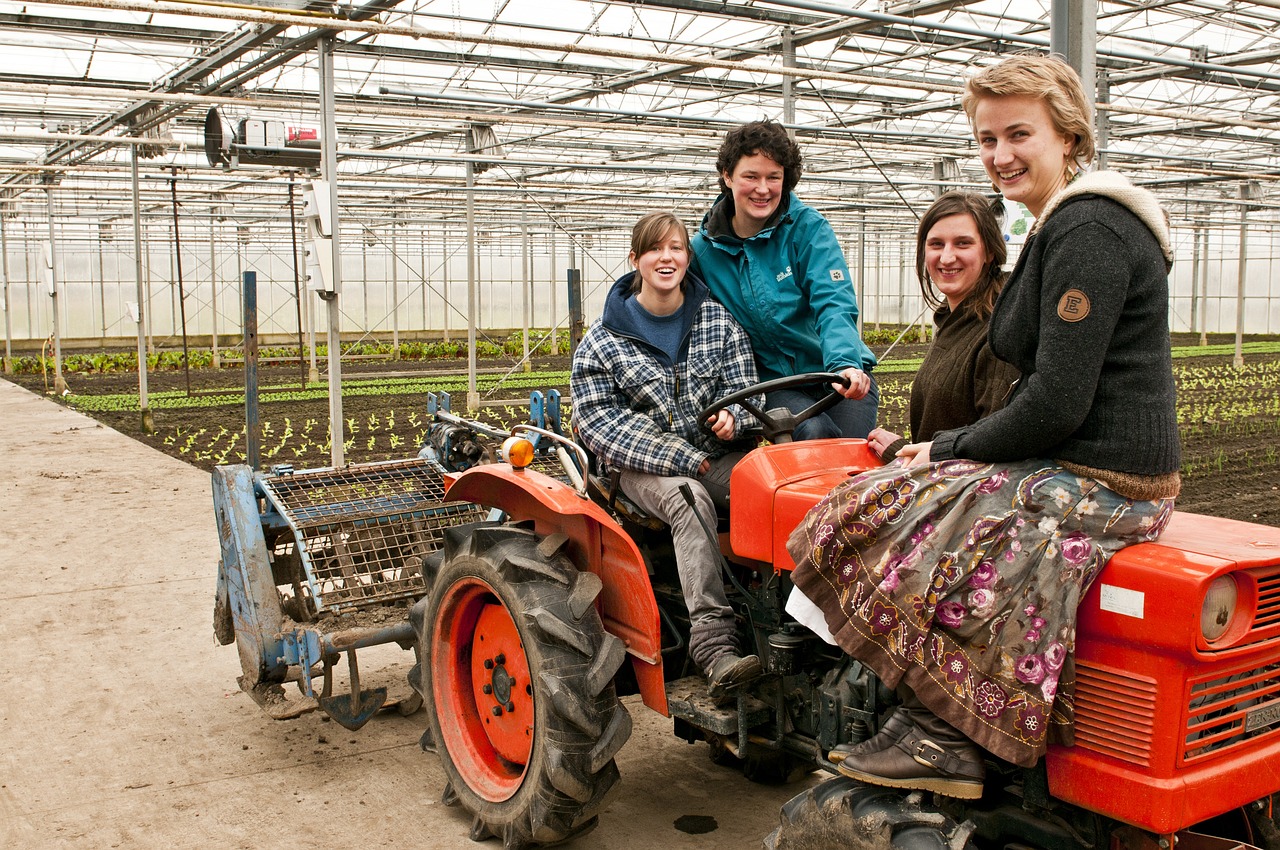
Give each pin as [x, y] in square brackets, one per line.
[713, 630]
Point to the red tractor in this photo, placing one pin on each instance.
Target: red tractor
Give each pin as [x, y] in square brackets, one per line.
[533, 627]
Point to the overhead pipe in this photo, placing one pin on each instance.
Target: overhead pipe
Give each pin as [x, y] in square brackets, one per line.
[317, 20]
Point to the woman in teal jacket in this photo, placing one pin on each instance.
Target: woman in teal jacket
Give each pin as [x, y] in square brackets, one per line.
[776, 265]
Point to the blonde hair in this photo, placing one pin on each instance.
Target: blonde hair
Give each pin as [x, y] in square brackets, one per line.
[649, 231]
[1046, 78]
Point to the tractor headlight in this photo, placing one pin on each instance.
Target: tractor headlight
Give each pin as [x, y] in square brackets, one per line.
[517, 451]
[1219, 608]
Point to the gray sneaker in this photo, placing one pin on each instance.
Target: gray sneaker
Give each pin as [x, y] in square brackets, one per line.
[730, 671]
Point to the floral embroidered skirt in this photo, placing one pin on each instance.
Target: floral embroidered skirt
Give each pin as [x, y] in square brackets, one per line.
[961, 580]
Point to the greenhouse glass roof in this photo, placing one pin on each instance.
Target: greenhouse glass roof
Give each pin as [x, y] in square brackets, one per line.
[601, 110]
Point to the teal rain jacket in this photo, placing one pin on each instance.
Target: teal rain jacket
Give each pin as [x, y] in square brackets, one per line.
[788, 286]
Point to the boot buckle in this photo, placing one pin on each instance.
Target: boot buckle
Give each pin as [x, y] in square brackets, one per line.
[929, 754]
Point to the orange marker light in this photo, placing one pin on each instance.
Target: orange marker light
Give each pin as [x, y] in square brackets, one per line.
[517, 451]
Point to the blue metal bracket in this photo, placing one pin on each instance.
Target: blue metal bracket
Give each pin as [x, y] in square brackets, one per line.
[302, 648]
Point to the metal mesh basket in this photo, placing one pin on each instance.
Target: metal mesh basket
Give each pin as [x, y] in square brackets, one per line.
[361, 532]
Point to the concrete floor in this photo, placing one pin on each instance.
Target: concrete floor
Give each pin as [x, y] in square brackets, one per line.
[123, 725]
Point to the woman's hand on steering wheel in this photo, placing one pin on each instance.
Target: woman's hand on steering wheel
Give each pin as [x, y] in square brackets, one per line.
[779, 423]
[722, 424]
[859, 383]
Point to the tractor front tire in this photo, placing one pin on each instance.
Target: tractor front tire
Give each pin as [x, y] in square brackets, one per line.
[516, 673]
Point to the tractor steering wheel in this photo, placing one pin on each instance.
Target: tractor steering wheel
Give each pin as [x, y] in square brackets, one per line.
[779, 423]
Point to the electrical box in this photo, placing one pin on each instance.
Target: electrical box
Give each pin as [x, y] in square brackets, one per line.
[275, 134]
[253, 133]
[317, 208]
[319, 264]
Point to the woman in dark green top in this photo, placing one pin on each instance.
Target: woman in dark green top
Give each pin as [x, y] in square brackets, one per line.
[960, 254]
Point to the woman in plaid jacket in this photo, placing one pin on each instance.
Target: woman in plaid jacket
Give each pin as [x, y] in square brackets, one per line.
[661, 352]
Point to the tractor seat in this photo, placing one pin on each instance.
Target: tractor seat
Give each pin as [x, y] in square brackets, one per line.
[608, 493]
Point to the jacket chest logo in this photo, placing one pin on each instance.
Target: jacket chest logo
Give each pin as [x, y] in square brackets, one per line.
[783, 275]
[1073, 306]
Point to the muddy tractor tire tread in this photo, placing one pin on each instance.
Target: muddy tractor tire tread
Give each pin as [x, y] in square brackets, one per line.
[528, 779]
[848, 814]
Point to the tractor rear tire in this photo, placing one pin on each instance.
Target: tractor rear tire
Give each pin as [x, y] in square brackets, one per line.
[517, 678]
[845, 813]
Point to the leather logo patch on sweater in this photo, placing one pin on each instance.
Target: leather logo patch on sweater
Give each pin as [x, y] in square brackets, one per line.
[1073, 306]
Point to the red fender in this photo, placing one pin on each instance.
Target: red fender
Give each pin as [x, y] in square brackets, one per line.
[596, 543]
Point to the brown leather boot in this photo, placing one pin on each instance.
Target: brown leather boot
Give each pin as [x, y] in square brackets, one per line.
[930, 755]
[889, 734]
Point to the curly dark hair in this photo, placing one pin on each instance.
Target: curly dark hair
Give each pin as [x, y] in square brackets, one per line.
[763, 137]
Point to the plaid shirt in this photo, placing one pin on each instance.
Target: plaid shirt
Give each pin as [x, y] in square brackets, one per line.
[638, 411]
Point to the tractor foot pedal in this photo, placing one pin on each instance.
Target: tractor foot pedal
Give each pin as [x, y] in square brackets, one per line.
[271, 698]
[689, 700]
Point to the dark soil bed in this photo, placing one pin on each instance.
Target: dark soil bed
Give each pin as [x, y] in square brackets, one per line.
[1230, 463]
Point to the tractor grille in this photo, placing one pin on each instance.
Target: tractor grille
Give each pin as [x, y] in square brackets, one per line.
[1114, 713]
[361, 532]
[1267, 617]
[1226, 711]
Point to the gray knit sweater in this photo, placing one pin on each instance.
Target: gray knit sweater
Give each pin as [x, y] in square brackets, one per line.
[1084, 319]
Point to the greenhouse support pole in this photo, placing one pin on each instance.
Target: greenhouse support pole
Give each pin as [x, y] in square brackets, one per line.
[902, 283]
[26, 276]
[1204, 288]
[862, 270]
[329, 168]
[364, 282]
[473, 395]
[878, 281]
[1238, 359]
[148, 314]
[297, 280]
[423, 272]
[213, 289]
[788, 83]
[102, 288]
[313, 368]
[1073, 35]
[1103, 119]
[59, 382]
[148, 422]
[1195, 275]
[555, 335]
[445, 257]
[8, 321]
[174, 263]
[524, 286]
[395, 288]
[182, 291]
[252, 424]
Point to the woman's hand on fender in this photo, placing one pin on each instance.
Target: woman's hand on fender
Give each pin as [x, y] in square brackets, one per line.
[915, 454]
[859, 383]
[879, 439]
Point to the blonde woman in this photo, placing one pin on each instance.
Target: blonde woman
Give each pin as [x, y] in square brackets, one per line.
[956, 573]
